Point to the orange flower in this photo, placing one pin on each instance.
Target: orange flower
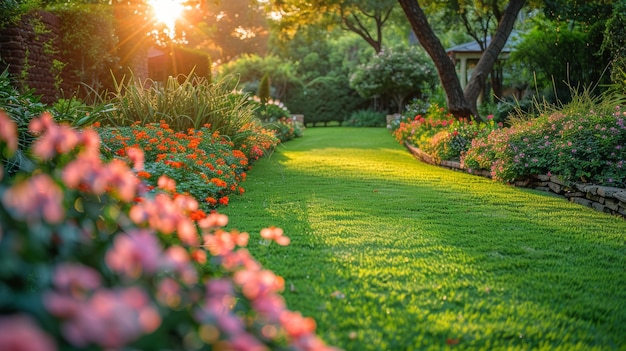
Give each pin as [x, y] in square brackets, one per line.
[197, 215]
[144, 175]
[211, 200]
[218, 182]
[224, 201]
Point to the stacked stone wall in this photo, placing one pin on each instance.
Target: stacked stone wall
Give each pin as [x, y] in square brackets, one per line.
[601, 198]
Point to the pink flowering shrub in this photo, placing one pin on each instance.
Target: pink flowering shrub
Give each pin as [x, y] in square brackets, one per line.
[588, 147]
[90, 259]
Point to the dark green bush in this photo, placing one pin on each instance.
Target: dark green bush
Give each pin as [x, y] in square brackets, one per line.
[366, 118]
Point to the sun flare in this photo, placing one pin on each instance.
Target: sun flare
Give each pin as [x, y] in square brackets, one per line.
[167, 11]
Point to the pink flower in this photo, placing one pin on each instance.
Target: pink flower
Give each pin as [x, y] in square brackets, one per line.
[36, 198]
[166, 183]
[85, 170]
[55, 139]
[168, 293]
[121, 181]
[8, 132]
[255, 284]
[19, 332]
[134, 254]
[187, 232]
[240, 258]
[136, 157]
[112, 319]
[276, 234]
[213, 220]
[76, 278]
[296, 325]
[177, 260]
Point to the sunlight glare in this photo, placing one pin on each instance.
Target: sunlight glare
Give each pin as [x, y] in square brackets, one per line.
[167, 12]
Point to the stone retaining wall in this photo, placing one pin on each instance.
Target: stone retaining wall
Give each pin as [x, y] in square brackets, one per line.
[601, 198]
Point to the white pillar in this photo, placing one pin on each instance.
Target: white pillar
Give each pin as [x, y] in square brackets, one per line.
[463, 72]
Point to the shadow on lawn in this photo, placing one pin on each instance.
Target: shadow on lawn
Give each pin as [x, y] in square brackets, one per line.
[430, 258]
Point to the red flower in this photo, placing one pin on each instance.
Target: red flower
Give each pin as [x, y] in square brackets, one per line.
[224, 201]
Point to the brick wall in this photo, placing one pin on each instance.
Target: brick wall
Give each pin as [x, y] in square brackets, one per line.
[27, 49]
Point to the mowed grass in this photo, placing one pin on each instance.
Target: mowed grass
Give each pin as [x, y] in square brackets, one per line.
[389, 253]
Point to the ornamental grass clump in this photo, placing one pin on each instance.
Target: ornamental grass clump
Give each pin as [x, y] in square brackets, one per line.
[182, 102]
[89, 259]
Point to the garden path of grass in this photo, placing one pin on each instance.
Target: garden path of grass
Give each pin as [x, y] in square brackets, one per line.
[389, 253]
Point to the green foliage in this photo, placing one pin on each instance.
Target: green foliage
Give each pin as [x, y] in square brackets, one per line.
[21, 107]
[227, 29]
[192, 102]
[327, 99]
[264, 89]
[367, 19]
[583, 141]
[366, 118]
[89, 42]
[547, 65]
[398, 72]
[12, 10]
[251, 68]
[270, 111]
[284, 129]
[615, 43]
[78, 114]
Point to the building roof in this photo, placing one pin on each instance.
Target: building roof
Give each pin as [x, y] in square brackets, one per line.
[473, 46]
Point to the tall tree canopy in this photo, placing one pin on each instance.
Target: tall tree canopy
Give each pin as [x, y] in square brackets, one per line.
[366, 18]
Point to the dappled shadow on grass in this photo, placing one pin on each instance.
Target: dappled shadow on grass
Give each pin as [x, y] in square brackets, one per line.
[388, 253]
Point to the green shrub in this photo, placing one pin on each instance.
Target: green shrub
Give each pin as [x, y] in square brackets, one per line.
[21, 107]
[284, 129]
[77, 113]
[366, 118]
[269, 111]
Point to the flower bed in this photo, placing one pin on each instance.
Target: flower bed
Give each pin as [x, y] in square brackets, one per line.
[576, 152]
[205, 165]
[92, 258]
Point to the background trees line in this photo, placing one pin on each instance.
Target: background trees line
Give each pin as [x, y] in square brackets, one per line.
[310, 51]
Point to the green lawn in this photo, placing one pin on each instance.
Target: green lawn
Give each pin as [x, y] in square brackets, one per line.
[389, 253]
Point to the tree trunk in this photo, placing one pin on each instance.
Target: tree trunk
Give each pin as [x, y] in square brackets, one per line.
[457, 104]
[489, 57]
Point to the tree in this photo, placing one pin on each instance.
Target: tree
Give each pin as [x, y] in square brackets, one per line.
[461, 104]
[228, 29]
[365, 18]
[615, 43]
[252, 68]
[399, 72]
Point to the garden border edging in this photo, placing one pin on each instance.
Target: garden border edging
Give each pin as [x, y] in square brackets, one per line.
[601, 198]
